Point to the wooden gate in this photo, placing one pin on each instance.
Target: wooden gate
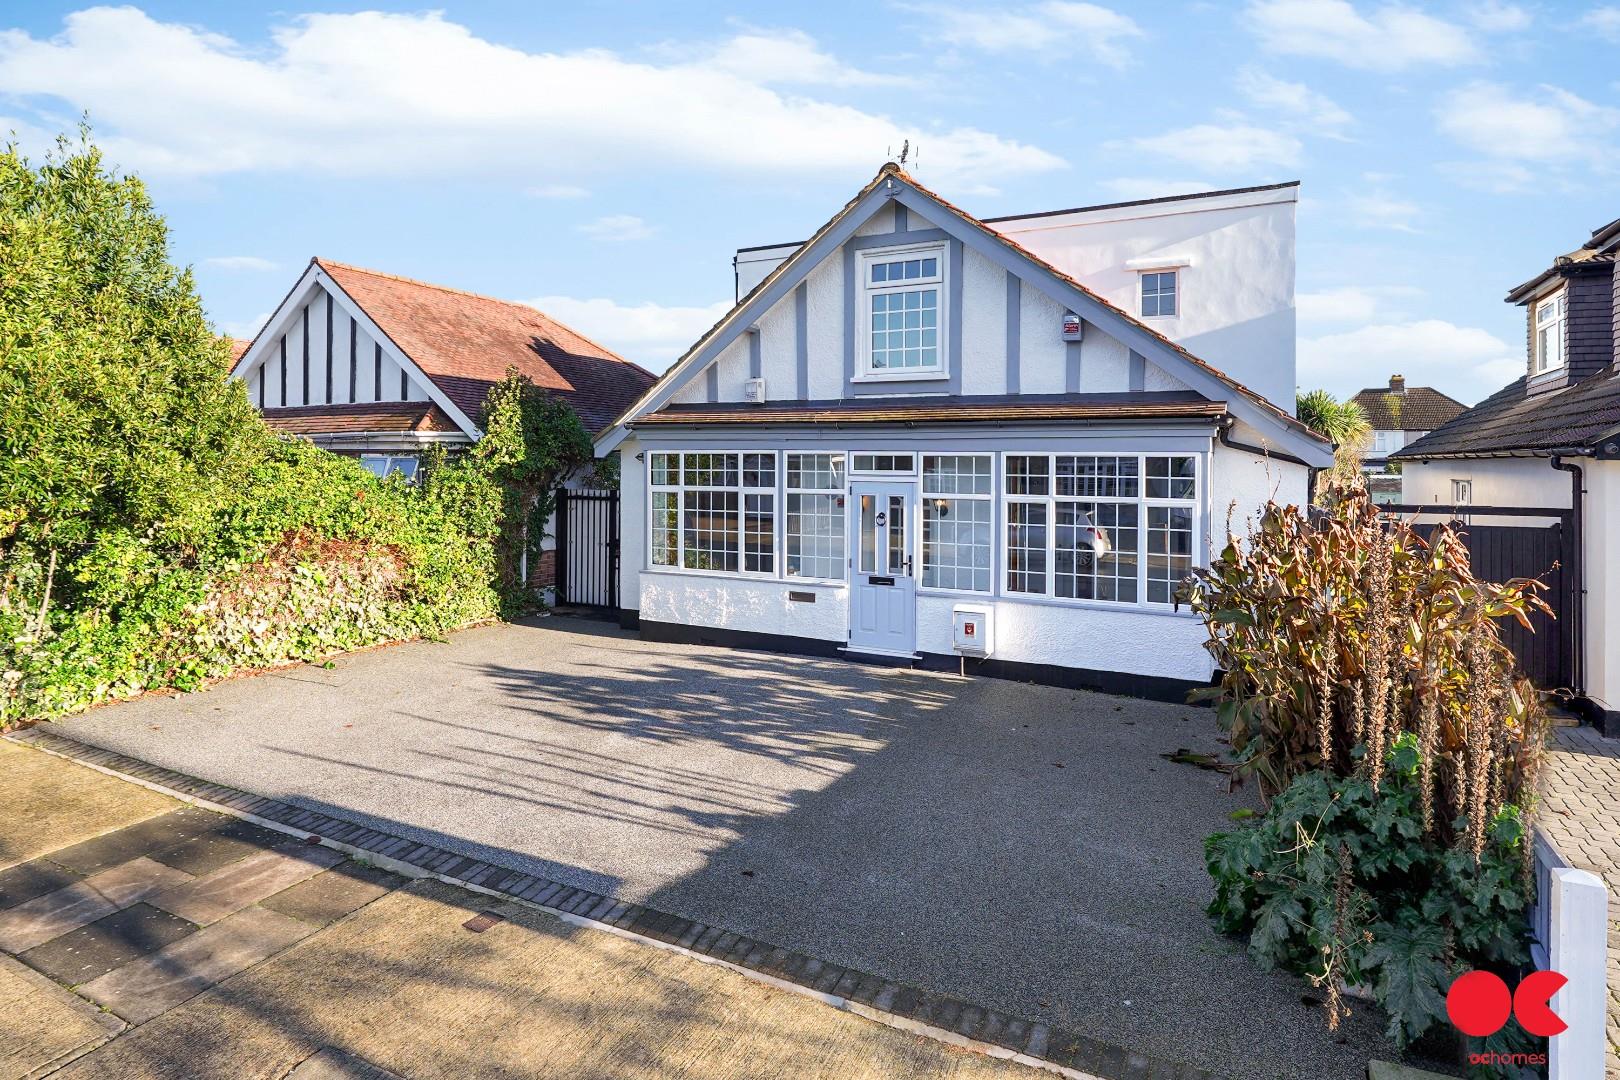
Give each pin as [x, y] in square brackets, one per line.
[588, 548]
[1538, 549]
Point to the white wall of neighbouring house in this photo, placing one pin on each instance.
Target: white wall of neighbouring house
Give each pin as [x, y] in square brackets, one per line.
[1600, 540]
[1527, 481]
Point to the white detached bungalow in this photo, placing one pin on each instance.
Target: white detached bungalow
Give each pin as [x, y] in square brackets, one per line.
[920, 436]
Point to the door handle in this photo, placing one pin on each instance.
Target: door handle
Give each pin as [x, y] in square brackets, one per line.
[908, 566]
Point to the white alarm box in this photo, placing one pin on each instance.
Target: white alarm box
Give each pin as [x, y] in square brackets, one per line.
[971, 630]
[754, 391]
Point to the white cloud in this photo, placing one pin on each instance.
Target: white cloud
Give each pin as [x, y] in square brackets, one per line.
[245, 329]
[1296, 101]
[1552, 125]
[1055, 31]
[1497, 177]
[1464, 361]
[617, 228]
[1224, 148]
[1391, 38]
[1152, 187]
[1349, 303]
[1375, 210]
[373, 93]
[241, 262]
[556, 191]
[1605, 21]
[653, 335]
[790, 57]
[1496, 17]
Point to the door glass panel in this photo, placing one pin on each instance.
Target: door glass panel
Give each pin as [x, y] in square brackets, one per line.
[868, 535]
[897, 534]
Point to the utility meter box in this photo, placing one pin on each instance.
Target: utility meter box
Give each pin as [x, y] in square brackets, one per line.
[754, 391]
[971, 631]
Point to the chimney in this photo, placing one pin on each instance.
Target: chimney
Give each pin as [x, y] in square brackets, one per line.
[1397, 384]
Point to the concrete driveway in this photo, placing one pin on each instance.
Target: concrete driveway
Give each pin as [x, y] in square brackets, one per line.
[1023, 847]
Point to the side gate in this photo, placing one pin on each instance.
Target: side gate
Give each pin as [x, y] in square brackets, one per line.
[1540, 548]
[588, 548]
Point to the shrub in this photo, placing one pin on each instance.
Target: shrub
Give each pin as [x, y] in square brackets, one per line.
[1340, 881]
[153, 532]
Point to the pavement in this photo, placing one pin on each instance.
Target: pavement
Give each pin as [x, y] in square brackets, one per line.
[190, 944]
[1580, 814]
[1026, 848]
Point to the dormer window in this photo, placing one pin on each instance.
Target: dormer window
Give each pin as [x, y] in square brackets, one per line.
[1158, 293]
[904, 291]
[1549, 337]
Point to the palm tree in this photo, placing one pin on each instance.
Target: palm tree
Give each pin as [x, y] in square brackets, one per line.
[1342, 423]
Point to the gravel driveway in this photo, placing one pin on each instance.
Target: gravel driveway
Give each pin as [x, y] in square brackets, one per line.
[1022, 846]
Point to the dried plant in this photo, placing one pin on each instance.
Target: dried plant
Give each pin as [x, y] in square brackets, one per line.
[1338, 633]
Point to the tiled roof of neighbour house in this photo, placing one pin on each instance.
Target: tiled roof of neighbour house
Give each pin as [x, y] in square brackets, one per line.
[1510, 422]
[465, 343]
[239, 346]
[1417, 408]
[405, 416]
[1025, 408]
[894, 170]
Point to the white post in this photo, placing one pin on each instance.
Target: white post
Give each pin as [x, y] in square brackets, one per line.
[1577, 948]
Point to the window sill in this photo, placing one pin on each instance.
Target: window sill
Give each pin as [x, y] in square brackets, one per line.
[901, 376]
[737, 575]
[1162, 610]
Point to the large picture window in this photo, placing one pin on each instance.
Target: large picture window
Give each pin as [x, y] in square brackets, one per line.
[815, 516]
[1119, 528]
[714, 511]
[958, 533]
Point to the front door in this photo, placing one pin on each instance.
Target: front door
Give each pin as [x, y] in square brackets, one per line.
[883, 592]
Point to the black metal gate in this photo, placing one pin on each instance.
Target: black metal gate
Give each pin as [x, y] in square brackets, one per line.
[588, 548]
[1497, 552]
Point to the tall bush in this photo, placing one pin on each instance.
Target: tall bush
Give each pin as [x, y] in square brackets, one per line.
[1366, 687]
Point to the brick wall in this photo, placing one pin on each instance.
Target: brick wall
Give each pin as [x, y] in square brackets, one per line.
[543, 570]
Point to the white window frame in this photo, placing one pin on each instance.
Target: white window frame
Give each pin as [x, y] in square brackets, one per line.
[841, 492]
[742, 491]
[1143, 503]
[923, 498]
[1141, 287]
[1557, 320]
[391, 465]
[1462, 492]
[864, 372]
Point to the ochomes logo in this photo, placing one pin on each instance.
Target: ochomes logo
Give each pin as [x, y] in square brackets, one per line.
[1479, 1004]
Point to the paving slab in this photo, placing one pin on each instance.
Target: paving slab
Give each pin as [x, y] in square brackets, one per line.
[153, 834]
[83, 803]
[211, 898]
[333, 893]
[45, 1026]
[111, 942]
[230, 841]
[28, 880]
[402, 986]
[329, 1064]
[145, 988]
[56, 913]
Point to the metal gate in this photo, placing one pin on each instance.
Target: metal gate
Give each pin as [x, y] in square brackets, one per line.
[1547, 652]
[588, 548]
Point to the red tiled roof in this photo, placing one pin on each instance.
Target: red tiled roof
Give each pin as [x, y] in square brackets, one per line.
[238, 347]
[421, 416]
[466, 342]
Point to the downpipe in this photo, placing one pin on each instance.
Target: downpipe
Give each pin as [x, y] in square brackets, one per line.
[1577, 571]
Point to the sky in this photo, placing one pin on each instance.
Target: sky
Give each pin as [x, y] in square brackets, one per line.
[603, 161]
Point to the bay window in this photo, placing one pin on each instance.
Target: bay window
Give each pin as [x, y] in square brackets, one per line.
[1119, 528]
[956, 515]
[714, 511]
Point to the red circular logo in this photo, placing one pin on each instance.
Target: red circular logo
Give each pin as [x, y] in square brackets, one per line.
[1479, 1003]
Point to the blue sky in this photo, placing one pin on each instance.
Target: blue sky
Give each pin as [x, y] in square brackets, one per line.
[603, 161]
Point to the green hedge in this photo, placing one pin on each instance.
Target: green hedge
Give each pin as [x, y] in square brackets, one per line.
[153, 532]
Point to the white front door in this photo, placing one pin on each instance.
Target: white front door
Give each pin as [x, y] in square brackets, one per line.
[883, 592]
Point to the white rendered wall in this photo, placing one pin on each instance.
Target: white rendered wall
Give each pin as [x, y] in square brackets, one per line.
[633, 524]
[984, 325]
[1600, 541]
[1236, 297]
[760, 607]
[1496, 482]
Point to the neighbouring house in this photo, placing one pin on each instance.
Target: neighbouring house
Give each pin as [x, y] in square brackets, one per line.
[380, 367]
[1398, 414]
[1551, 440]
[920, 436]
